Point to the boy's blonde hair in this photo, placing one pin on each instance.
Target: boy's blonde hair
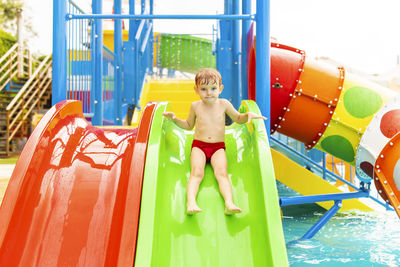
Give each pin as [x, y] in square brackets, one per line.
[207, 75]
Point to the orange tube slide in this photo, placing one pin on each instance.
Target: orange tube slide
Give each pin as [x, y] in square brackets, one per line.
[337, 112]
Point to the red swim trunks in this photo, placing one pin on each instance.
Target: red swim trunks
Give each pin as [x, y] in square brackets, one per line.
[208, 148]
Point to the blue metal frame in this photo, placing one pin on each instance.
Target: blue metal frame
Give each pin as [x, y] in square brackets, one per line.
[97, 65]
[59, 79]
[323, 220]
[287, 201]
[246, 9]
[263, 94]
[118, 64]
[326, 173]
[337, 198]
[149, 16]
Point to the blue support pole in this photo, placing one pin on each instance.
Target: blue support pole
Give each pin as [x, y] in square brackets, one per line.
[132, 22]
[237, 81]
[224, 53]
[323, 220]
[151, 52]
[142, 6]
[118, 64]
[287, 201]
[98, 65]
[246, 9]
[263, 94]
[59, 84]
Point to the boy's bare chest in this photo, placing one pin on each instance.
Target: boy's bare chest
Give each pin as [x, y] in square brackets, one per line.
[211, 116]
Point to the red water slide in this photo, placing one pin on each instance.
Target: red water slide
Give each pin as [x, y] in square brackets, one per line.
[74, 196]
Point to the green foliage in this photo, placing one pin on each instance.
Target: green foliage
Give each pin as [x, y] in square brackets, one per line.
[8, 11]
[6, 42]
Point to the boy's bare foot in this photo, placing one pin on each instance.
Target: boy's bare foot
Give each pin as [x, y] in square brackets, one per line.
[192, 209]
[232, 209]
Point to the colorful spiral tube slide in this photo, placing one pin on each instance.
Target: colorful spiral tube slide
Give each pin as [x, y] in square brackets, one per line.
[327, 108]
[86, 196]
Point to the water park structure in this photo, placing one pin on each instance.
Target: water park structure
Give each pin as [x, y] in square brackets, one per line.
[89, 191]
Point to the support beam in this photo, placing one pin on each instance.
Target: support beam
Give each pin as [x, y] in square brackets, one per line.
[323, 220]
[246, 9]
[59, 79]
[263, 69]
[287, 201]
[98, 66]
[118, 64]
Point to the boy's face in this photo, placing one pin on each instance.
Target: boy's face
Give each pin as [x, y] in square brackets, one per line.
[209, 92]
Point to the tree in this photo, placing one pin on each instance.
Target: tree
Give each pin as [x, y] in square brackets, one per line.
[8, 14]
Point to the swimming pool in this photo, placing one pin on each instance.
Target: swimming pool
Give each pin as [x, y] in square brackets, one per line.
[353, 238]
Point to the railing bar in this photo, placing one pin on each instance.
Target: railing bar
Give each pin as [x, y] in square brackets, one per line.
[147, 16]
[21, 91]
[7, 65]
[44, 89]
[14, 47]
[16, 107]
[139, 30]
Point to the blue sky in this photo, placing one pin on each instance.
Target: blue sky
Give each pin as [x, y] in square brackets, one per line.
[358, 33]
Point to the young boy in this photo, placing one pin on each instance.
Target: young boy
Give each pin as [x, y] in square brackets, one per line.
[208, 117]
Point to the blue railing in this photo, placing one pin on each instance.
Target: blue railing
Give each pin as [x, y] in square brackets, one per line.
[81, 67]
[143, 59]
[108, 86]
[315, 160]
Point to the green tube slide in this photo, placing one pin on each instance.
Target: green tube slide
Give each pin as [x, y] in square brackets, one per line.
[169, 237]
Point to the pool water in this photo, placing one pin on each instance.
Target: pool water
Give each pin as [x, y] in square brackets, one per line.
[352, 238]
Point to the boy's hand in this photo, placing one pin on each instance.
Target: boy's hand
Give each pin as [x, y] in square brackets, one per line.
[169, 115]
[252, 115]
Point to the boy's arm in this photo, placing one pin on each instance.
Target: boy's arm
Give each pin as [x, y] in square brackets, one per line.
[187, 124]
[240, 117]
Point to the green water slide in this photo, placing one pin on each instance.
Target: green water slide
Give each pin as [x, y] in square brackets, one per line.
[184, 52]
[169, 237]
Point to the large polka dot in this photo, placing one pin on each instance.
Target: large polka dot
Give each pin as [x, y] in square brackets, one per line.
[361, 102]
[390, 123]
[339, 147]
[396, 175]
[367, 168]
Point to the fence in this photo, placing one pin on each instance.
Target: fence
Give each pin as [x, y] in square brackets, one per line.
[80, 65]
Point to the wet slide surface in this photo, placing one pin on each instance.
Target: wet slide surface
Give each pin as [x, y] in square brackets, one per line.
[74, 196]
[169, 237]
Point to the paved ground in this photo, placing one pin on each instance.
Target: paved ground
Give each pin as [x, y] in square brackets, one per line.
[5, 174]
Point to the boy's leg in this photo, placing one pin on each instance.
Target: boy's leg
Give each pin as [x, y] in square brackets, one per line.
[198, 162]
[219, 164]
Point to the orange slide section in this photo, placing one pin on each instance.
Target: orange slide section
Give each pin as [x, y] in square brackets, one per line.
[74, 196]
